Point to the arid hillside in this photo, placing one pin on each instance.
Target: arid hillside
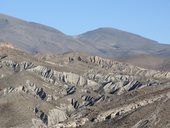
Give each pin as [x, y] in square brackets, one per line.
[80, 90]
[37, 38]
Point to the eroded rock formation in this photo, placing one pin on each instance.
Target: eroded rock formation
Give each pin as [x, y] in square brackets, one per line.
[80, 91]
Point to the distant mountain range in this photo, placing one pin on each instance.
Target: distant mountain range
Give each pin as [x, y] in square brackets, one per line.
[34, 37]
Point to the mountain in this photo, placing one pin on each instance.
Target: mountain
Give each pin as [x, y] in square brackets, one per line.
[116, 42]
[67, 84]
[79, 90]
[34, 37]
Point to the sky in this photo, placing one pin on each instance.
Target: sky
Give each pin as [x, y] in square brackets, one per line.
[148, 18]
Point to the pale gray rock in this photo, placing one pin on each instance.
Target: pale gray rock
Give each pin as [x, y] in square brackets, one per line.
[89, 100]
[18, 66]
[65, 77]
[26, 65]
[56, 116]
[37, 123]
[11, 64]
[47, 73]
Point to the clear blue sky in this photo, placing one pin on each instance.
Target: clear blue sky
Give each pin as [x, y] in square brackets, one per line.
[149, 18]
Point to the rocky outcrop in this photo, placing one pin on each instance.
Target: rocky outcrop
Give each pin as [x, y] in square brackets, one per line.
[121, 87]
[123, 68]
[38, 123]
[33, 89]
[66, 77]
[47, 73]
[90, 100]
[71, 78]
[115, 84]
[13, 65]
[26, 65]
[126, 108]
[75, 103]
[56, 116]
[29, 88]
[70, 90]
[41, 115]
[13, 89]
[104, 63]
[18, 66]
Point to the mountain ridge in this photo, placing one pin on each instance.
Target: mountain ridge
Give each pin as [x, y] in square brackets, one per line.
[34, 37]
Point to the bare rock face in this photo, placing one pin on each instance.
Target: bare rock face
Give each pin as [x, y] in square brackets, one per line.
[104, 63]
[18, 66]
[89, 100]
[25, 65]
[52, 75]
[37, 123]
[41, 115]
[31, 88]
[12, 90]
[56, 116]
